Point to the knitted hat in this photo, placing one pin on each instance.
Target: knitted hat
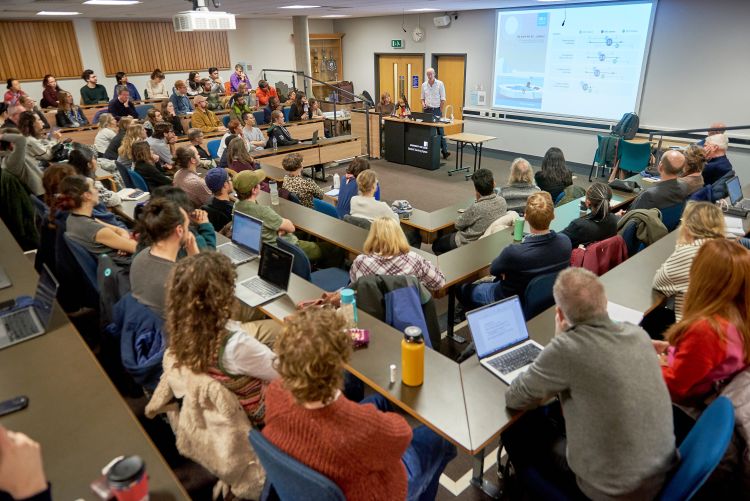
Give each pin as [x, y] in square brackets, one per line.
[215, 179]
[245, 181]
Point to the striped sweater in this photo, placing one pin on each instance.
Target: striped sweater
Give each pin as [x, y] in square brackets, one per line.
[673, 277]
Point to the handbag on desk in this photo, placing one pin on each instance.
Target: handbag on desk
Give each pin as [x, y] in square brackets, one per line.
[627, 186]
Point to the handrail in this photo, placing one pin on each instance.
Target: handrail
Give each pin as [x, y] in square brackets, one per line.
[652, 133]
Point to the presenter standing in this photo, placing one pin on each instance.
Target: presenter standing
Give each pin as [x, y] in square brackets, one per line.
[433, 101]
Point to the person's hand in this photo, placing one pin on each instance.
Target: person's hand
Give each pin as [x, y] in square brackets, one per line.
[199, 216]
[57, 135]
[21, 469]
[305, 117]
[660, 346]
[621, 212]
[281, 233]
[191, 245]
[168, 166]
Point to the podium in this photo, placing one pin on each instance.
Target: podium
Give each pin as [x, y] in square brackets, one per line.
[414, 143]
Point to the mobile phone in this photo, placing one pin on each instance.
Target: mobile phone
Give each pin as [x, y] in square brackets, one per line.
[458, 339]
[13, 405]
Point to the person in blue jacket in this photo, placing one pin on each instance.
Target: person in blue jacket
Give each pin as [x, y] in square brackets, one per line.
[348, 187]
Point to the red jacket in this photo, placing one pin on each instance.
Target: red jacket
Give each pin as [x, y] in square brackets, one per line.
[600, 257]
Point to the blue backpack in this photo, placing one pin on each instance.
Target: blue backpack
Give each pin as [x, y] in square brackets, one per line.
[627, 127]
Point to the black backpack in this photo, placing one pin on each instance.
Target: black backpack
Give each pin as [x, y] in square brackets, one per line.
[627, 126]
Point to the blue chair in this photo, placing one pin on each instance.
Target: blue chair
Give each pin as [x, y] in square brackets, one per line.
[633, 157]
[631, 240]
[701, 451]
[559, 197]
[289, 478]
[260, 117]
[213, 147]
[85, 260]
[605, 155]
[138, 181]
[328, 279]
[142, 110]
[287, 111]
[325, 207]
[125, 175]
[670, 216]
[225, 120]
[538, 295]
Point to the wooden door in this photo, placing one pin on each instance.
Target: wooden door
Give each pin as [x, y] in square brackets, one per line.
[396, 76]
[452, 71]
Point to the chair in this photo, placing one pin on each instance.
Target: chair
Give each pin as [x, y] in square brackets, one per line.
[328, 279]
[85, 260]
[260, 117]
[289, 478]
[225, 120]
[670, 216]
[125, 175]
[213, 147]
[606, 153]
[228, 88]
[633, 157]
[631, 240]
[138, 181]
[325, 207]
[287, 111]
[538, 295]
[701, 450]
[559, 197]
[142, 110]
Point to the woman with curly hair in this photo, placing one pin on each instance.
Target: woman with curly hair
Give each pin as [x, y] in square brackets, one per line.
[135, 133]
[692, 174]
[392, 461]
[201, 336]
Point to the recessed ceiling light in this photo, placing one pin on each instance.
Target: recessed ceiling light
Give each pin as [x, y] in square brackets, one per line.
[56, 13]
[111, 2]
[422, 9]
[300, 7]
[336, 15]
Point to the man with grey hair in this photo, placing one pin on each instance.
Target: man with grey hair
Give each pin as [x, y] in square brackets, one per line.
[668, 191]
[616, 440]
[433, 101]
[717, 163]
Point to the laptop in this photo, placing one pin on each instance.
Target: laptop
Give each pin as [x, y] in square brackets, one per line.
[26, 322]
[425, 117]
[246, 239]
[736, 197]
[501, 339]
[313, 140]
[272, 280]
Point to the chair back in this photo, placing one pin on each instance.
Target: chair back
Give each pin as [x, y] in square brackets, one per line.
[634, 157]
[559, 197]
[538, 295]
[138, 181]
[701, 451]
[287, 111]
[260, 117]
[225, 120]
[290, 478]
[85, 260]
[142, 110]
[606, 150]
[213, 147]
[670, 216]
[301, 265]
[125, 175]
[631, 240]
[325, 207]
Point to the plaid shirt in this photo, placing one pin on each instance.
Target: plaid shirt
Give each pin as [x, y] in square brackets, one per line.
[410, 263]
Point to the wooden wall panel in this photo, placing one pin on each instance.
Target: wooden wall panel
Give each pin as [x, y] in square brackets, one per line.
[140, 47]
[31, 49]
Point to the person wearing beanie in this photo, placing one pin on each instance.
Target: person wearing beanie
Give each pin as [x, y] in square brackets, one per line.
[220, 207]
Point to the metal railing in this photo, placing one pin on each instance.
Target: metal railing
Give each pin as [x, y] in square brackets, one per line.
[662, 133]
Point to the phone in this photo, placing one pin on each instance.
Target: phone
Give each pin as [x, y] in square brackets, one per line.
[461, 211]
[13, 405]
[458, 339]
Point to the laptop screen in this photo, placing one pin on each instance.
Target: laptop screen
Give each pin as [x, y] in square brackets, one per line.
[735, 190]
[275, 266]
[497, 326]
[44, 298]
[246, 231]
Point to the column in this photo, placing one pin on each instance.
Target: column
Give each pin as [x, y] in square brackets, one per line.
[302, 49]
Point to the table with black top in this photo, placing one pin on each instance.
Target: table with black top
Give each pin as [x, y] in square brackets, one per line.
[414, 143]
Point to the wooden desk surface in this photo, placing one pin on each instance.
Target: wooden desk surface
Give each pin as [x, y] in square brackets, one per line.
[468, 137]
[440, 125]
[74, 411]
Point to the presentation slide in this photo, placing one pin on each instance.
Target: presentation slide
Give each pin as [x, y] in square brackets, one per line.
[583, 61]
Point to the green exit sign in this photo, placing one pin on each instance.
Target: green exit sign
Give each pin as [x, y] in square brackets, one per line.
[397, 44]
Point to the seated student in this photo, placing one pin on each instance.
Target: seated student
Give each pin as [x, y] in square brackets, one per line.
[273, 105]
[162, 142]
[200, 227]
[247, 186]
[14, 159]
[203, 118]
[238, 107]
[554, 175]
[194, 83]
[387, 252]
[168, 115]
[252, 133]
[39, 146]
[29, 104]
[719, 128]
[180, 99]
[364, 205]
[21, 468]
[291, 98]
[478, 217]
[599, 224]
[217, 84]
[106, 133]
[153, 117]
[279, 132]
[195, 138]
[144, 163]
[238, 159]
[691, 177]
[520, 185]
[186, 159]
[79, 195]
[50, 98]
[83, 159]
[348, 187]
[385, 105]
[166, 227]
[201, 336]
[717, 163]
[14, 92]
[155, 88]
[220, 207]
[402, 108]
[121, 105]
[213, 98]
[667, 192]
[121, 78]
[134, 134]
[393, 462]
[300, 108]
[92, 92]
[264, 92]
[712, 341]
[68, 114]
[606, 380]
[542, 251]
[304, 188]
[701, 222]
[234, 129]
[315, 108]
[237, 78]
[111, 153]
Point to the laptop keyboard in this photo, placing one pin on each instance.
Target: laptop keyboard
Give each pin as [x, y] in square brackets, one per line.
[235, 253]
[261, 288]
[20, 325]
[515, 359]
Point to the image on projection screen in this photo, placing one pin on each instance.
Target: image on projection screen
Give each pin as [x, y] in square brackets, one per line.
[590, 67]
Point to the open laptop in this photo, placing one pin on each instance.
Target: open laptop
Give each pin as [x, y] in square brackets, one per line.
[425, 117]
[272, 280]
[736, 197]
[501, 339]
[26, 322]
[246, 239]
[313, 140]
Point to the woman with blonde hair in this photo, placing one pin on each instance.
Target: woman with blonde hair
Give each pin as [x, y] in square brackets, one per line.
[202, 338]
[701, 222]
[520, 185]
[136, 132]
[387, 252]
[106, 133]
[68, 114]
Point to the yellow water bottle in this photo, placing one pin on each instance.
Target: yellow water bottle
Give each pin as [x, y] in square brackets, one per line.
[412, 357]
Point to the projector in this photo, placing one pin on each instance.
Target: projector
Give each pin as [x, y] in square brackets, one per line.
[203, 20]
[441, 21]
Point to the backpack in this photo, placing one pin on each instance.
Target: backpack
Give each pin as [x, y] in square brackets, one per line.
[627, 126]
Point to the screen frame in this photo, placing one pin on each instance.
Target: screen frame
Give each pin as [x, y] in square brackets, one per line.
[545, 114]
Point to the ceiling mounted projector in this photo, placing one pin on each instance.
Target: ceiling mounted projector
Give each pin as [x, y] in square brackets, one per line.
[441, 21]
[202, 19]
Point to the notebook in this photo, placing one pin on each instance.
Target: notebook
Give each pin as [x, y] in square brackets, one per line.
[246, 239]
[21, 323]
[272, 280]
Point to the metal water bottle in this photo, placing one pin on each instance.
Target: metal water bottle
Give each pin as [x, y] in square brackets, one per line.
[412, 357]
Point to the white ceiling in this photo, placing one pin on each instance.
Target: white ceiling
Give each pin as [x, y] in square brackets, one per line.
[165, 9]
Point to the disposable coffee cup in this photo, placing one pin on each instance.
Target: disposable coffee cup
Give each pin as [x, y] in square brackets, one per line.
[127, 479]
[518, 230]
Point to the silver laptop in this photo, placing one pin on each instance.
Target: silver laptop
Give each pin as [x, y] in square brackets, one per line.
[272, 280]
[313, 139]
[501, 339]
[736, 197]
[246, 239]
[26, 322]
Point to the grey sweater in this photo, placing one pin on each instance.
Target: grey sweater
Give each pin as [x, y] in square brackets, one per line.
[23, 165]
[516, 194]
[618, 414]
[478, 217]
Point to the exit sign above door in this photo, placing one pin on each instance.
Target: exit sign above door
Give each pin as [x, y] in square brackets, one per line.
[397, 44]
